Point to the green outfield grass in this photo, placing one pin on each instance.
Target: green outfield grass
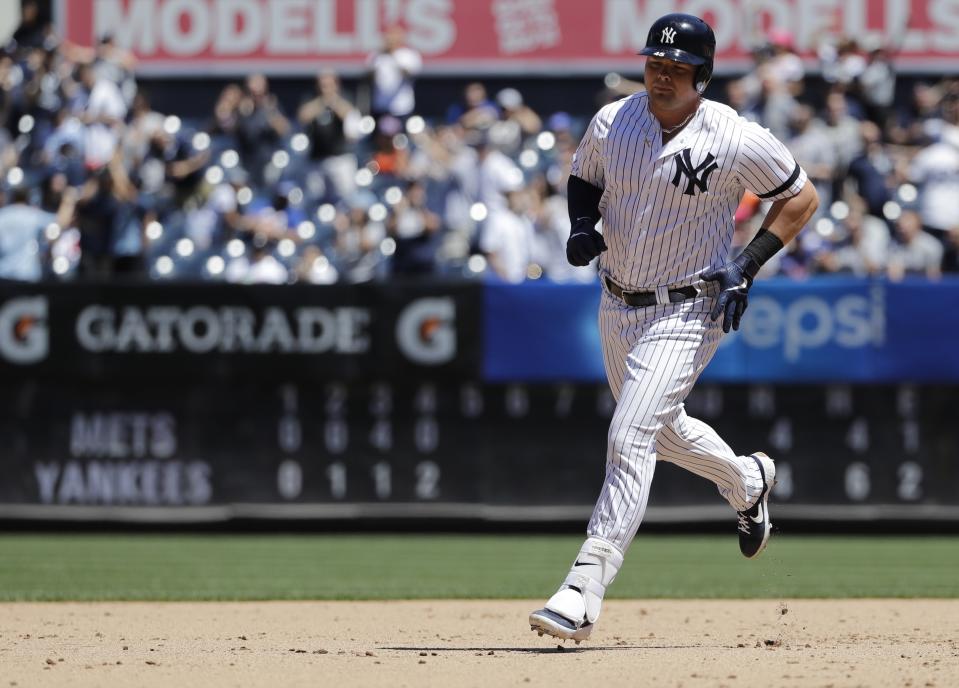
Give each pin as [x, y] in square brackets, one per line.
[260, 567]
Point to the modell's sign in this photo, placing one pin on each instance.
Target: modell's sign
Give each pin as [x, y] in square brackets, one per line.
[491, 36]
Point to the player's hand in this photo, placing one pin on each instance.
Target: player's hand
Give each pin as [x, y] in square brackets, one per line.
[733, 296]
[584, 243]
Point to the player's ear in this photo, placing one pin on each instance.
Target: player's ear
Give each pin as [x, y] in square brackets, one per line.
[702, 77]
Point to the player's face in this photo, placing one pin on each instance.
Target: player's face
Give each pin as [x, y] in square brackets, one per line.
[670, 83]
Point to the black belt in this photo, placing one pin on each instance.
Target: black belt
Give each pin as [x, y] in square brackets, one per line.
[642, 299]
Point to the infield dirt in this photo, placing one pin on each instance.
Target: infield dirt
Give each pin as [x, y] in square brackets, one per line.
[686, 643]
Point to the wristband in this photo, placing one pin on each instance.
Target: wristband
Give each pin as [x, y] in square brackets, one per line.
[763, 247]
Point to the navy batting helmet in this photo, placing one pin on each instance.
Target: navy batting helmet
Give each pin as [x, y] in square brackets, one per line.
[684, 38]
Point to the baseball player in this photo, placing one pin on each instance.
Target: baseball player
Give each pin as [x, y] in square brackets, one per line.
[665, 170]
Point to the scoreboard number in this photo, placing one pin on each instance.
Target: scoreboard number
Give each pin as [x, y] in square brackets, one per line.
[857, 481]
[910, 481]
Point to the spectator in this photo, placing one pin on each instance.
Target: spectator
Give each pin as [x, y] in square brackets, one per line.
[431, 157]
[843, 131]
[783, 64]
[109, 61]
[876, 85]
[11, 80]
[516, 122]
[813, 149]
[390, 149]
[739, 99]
[945, 125]
[40, 99]
[915, 252]
[874, 170]
[561, 124]
[34, 25]
[935, 170]
[561, 156]
[448, 164]
[476, 111]
[415, 228]
[217, 216]
[775, 104]
[908, 127]
[103, 203]
[154, 170]
[260, 126]
[113, 63]
[950, 259]
[842, 62]
[145, 122]
[103, 112]
[506, 238]
[392, 71]
[64, 147]
[513, 108]
[333, 126]
[863, 250]
[184, 166]
[62, 253]
[497, 174]
[22, 233]
[358, 238]
[315, 268]
[766, 93]
[277, 218]
[264, 267]
[226, 114]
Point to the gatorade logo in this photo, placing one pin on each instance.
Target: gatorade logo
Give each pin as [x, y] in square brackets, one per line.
[24, 338]
[426, 331]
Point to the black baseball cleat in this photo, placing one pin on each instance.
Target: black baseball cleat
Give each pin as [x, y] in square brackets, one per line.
[754, 523]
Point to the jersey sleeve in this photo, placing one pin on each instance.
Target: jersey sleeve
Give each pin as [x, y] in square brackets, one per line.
[766, 167]
[588, 160]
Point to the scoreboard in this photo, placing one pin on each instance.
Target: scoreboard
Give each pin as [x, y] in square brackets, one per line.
[516, 452]
[453, 400]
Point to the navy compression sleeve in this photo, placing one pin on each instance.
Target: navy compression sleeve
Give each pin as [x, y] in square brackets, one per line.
[583, 200]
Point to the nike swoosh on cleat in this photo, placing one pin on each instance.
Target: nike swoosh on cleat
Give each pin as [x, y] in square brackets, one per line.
[758, 519]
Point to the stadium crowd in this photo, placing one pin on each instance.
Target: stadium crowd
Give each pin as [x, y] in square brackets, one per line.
[98, 184]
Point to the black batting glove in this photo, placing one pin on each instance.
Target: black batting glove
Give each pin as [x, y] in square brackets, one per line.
[584, 242]
[734, 279]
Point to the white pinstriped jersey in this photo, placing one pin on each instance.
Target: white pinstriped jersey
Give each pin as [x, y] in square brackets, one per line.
[668, 210]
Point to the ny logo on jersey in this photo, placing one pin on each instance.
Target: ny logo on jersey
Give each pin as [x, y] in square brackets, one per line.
[669, 35]
[695, 176]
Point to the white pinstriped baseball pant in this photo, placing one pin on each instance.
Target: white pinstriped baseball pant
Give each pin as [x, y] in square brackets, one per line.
[653, 357]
